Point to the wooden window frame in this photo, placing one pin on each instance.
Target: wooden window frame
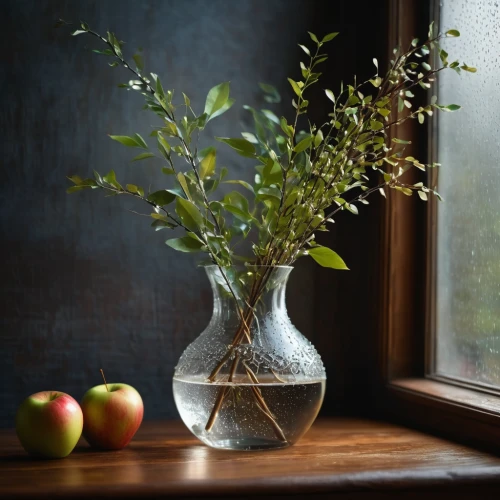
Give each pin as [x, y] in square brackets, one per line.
[407, 390]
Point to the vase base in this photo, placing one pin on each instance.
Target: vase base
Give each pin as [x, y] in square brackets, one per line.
[248, 444]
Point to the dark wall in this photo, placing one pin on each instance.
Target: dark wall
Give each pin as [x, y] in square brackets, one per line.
[86, 284]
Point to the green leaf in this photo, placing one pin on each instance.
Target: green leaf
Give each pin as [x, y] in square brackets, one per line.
[352, 208]
[182, 181]
[375, 125]
[303, 144]
[161, 217]
[272, 94]
[453, 107]
[116, 44]
[217, 97]
[130, 142]
[288, 129]
[219, 112]
[207, 164]
[314, 38]
[157, 216]
[78, 32]
[246, 185]
[269, 192]
[453, 33]
[90, 182]
[295, 87]
[237, 199]
[163, 146]
[106, 52]
[382, 102]
[268, 89]
[330, 95]
[318, 138]
[138, 61]
[162, 224]
[110, 178]
[162, 197]
[185, 244]
[241, 146]
[143, 156]
[405, 190]
[327, 258]
[401, 104]
[250, 137]
[97, 177]
[431, 29]
[159, 89]
[271, 116]
[189, 214]
[202, 120]
[76, 179]
[423, 196]
[168, 171]
[400, 141]
[74, 189]
[140, 141]
[470, 69]
[177, 192]
[239, 213]
[305, 49]
[131, 188]
[329, 37]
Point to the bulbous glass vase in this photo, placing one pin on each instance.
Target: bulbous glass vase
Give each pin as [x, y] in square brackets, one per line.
[251, 380]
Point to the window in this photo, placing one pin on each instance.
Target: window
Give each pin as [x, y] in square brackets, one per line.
[440, 282]
[468, 223]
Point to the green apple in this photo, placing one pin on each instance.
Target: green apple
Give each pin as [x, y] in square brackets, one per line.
[112, 414]
[49, 424]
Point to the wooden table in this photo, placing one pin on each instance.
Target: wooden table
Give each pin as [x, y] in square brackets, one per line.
[338, 458]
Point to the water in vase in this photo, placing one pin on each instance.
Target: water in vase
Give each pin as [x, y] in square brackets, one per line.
[240, 422]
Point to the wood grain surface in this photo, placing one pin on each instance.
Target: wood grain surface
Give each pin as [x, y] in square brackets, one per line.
[337, 457]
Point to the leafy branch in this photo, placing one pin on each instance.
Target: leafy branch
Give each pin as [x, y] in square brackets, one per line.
[301, 173]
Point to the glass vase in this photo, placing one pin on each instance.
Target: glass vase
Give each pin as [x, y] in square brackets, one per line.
[251, 380]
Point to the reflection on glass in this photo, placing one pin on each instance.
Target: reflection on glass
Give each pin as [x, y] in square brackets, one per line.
[468, 252]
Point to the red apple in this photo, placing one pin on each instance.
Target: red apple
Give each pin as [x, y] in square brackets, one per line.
[112, 414]
[49, 424]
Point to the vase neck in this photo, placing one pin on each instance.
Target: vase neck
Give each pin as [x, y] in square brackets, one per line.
[261, 288]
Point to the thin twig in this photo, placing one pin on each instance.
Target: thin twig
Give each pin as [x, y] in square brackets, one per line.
[221, 396]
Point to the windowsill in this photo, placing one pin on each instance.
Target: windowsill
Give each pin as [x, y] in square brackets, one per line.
[341, 456]
[469, 416]
[467, 399]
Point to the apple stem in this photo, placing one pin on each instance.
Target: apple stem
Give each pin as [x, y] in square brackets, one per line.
[104, 378]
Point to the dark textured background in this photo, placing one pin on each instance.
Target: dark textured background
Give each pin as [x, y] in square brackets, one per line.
[85, 284]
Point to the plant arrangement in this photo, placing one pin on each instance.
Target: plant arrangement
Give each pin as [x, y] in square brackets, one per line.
[306, 173]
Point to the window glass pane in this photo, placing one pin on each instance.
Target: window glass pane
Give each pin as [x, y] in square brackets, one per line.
[468, 243]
